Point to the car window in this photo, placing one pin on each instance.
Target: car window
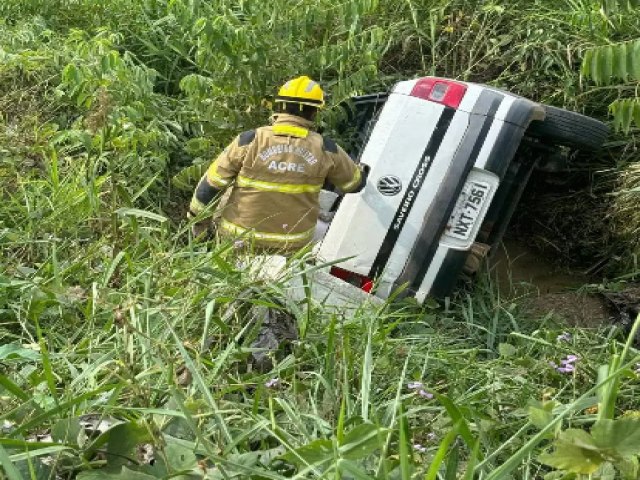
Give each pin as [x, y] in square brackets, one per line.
[356, 126]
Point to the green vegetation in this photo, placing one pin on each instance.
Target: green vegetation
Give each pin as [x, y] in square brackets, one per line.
[121, 340]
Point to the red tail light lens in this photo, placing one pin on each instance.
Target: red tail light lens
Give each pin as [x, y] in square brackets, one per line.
[360, 281]
[438, 90]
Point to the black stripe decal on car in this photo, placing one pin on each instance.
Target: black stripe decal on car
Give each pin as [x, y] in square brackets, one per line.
[504, 201]
[440, 210]
[516, 121]
[449, 272]
[410, 195]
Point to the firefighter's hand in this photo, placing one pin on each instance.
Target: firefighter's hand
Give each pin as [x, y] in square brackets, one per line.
[202, 230]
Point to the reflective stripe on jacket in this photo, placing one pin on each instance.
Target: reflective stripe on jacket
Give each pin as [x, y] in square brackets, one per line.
[276, 174]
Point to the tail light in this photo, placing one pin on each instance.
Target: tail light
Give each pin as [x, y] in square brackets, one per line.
[360, 281]
[438, 90]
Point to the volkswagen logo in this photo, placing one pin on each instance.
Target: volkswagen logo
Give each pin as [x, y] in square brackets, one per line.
[389, 185]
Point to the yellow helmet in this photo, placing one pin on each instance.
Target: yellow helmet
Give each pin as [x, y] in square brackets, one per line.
[301, 90]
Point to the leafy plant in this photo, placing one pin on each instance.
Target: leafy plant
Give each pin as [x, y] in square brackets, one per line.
[617, 64]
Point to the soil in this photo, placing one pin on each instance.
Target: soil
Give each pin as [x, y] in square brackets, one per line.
[547, 288]
[575, 309]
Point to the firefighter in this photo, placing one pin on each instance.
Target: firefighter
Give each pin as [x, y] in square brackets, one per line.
[275, 174]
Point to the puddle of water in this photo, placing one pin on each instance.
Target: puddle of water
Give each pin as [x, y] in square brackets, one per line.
[515, 263]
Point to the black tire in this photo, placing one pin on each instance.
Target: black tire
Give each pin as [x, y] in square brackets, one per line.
[569, 128]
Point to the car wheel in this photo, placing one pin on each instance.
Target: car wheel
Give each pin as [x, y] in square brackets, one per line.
[569, 128]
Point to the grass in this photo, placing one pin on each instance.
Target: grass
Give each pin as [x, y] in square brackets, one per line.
[122, 341]
[625, 214]
[341, 396]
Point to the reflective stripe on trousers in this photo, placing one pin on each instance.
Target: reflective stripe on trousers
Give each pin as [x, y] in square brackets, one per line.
[267, 236]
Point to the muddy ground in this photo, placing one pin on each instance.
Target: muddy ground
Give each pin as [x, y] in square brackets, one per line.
[560, 248]
[547, 288]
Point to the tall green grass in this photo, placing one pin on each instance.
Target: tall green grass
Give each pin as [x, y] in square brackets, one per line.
[111, 317]
[340, 408]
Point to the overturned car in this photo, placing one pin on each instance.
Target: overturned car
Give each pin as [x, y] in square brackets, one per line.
[448, 163]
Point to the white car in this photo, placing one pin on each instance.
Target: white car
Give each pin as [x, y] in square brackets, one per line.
[448, 161]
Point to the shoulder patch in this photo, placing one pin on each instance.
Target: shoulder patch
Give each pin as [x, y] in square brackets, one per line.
[245, 138]
[329, 145]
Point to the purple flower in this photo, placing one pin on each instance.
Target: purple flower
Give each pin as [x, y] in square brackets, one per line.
[418, 388]
[567, 365]
[567, 369]
[424, 394]
[564, 337]
[419, 448]
[273, 383]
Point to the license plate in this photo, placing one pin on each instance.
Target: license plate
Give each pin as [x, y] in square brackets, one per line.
[470, 209]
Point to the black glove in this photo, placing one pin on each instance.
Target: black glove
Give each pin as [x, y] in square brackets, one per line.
[201, 230]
